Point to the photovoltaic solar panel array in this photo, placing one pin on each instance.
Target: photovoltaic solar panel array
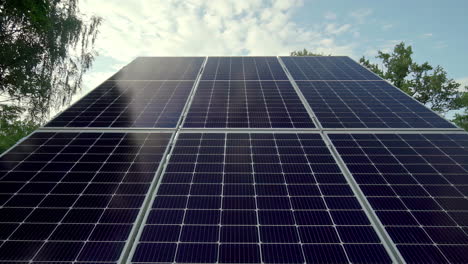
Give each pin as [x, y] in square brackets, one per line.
[238, 160]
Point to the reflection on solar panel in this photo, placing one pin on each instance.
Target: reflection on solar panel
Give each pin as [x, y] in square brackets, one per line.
[255, 198]
[247, 104]
[326, 68]
[74, 196]
[128, 104]
[366, 104]
[161, 68]
[417, 185]
[219, 160]
[243, 68]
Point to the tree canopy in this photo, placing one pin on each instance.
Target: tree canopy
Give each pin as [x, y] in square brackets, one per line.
[428, 84]
[45, 48]
[305, 52]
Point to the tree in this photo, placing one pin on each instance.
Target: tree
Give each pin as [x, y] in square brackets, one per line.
[13, 128]
[45, 48]
[305, 52]
[427, 84]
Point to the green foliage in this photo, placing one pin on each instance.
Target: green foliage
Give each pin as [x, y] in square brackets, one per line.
[45, 48]
[461, 120]
[427, 84]
[12, 128]
[305, 52]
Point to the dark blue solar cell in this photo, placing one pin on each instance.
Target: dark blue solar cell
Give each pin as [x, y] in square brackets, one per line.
[323, 253]
[367, 253]
[307, 203]
[43, 215]
[282, 253]
[197, 253]
[358, 234]
[105, 232]
[455, 253]
[72, 232]
[204, 202]
[203, 217]
[408, 235]
[276, 217]
[238, 217]
[59, 251]
[273, 203]
[31, 232]
[350, 218]
[312, 218]
[155, 252]
[161, 233]
[318, 234]
[278, 234]
[101, 251]
[83, 216]
[239, 253]
[19, 250]
[421, 254]
[198, 233]
[241, 234]
[165, 217]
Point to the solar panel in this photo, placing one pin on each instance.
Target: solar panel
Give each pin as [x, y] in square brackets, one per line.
[242, 174]
[161, 68]
[366, 104]
[326, 68]
[255, 198]
[74, 196]
[243, 68]
[143, 104]
[417, 185]
[247, 104]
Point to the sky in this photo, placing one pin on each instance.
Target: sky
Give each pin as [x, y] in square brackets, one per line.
[437, 30]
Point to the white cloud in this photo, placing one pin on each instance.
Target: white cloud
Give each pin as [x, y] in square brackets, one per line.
[361, 14]
[335, 29]
[330, 16]
[427, 35]
[203, 27]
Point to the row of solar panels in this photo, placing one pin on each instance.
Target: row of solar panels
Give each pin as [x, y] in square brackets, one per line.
[234, 197]
[247, 92]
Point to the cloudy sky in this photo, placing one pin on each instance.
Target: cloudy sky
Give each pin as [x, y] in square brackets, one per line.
[437, 30]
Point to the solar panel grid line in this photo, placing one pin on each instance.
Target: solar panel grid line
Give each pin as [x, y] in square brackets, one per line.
[366, 105]
[419, 215]
[74, 104]
[189, 100]
[391, 248]
[137, 231]
[321, 196]
[138, 67]
[325, 67]
[42, 246]
[163, 117]
[63, 110]
[363, 104]
[414, 99]
[194, 91]
[263, 72]
[239, 104]
[55, 241]
[269, 244]
[134, 233]
[301, 96]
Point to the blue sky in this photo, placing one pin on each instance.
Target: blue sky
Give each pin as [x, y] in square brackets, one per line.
[437, 30]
